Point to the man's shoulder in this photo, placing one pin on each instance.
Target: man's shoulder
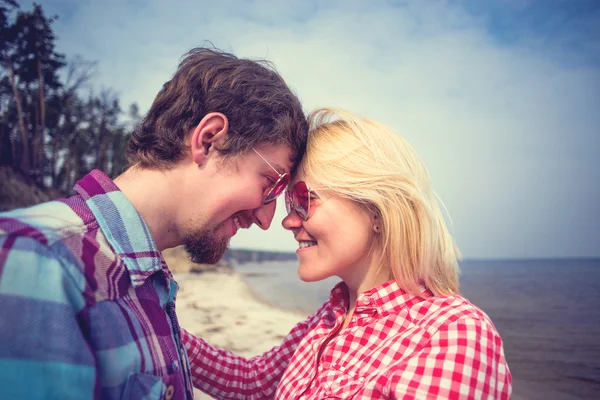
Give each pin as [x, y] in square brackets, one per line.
[60, 238]
[48, 222]
[49, 233]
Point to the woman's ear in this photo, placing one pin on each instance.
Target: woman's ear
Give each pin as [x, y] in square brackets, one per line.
[210, 130]
[376, 221]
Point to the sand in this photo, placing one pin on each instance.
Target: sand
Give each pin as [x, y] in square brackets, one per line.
[219, 307]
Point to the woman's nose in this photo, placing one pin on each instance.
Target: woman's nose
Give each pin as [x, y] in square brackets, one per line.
[292, 221]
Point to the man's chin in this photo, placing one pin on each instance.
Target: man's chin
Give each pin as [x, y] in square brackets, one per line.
[206, 249]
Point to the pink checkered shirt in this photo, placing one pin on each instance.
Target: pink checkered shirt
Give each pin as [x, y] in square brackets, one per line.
[397, 346]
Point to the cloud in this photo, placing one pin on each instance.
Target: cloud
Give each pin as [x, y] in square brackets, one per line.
[506, 123]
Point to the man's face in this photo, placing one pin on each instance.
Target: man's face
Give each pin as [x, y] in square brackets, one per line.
[233, 199]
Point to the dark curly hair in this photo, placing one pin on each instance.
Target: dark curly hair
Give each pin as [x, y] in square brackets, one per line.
[255, 99]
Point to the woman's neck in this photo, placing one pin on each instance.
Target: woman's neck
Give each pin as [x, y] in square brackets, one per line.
[371, 272]
[375, 275]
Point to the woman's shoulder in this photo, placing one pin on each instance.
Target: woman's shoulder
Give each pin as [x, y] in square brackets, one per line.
[439, 312]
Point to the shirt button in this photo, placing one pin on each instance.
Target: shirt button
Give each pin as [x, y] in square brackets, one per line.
[170, 392]
[366, 300]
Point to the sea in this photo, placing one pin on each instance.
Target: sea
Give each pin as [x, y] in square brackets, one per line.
[547, 313]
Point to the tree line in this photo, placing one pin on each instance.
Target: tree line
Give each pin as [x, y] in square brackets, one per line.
[53, 127]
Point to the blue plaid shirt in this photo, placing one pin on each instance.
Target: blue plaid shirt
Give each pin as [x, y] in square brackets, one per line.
[87, 303]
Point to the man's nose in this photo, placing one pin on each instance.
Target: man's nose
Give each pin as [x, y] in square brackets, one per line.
[263, 215]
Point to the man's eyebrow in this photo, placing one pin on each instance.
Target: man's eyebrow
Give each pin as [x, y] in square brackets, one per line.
[279, 168]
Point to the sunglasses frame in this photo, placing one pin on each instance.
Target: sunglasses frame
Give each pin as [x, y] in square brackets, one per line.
[273, 196]
[285, 178]
[292, 203]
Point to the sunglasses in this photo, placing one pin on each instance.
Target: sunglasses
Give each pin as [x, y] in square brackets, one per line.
[298, 199]
[277, 188]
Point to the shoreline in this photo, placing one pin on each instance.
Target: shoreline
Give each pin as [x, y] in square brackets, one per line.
[220, 307]
[223, 309]
[303, 313]
[257, 297]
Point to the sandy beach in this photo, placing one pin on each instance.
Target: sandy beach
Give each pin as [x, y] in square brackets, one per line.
[219, 307]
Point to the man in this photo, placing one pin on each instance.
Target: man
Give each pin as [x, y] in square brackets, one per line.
[87, 301]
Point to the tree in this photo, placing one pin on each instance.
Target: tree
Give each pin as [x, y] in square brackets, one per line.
[48, 129]
[32, 66]
[6, 83]
[66, 115]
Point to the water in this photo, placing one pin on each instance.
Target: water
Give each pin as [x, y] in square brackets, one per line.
[547, 312]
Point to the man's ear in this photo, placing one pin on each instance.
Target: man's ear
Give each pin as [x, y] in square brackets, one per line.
[210, 130]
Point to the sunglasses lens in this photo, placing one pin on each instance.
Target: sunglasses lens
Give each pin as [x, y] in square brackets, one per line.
[288, 201]
[278, 188]
[300, 198]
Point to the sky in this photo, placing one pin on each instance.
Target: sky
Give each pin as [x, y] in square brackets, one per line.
[500, 98]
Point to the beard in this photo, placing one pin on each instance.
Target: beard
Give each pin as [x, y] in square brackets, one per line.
[204, 247]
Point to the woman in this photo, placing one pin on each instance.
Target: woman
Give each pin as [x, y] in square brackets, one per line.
[362, 208]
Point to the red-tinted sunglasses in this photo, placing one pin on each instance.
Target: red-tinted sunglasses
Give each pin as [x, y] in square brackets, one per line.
[278, 186]
[298, 199]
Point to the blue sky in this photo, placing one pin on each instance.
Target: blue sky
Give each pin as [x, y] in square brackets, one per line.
[500, 98]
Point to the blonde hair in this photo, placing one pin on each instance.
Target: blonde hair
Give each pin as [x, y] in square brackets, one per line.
[368, 163]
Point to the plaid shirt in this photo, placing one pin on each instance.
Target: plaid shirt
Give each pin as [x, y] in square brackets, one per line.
[88, 303]
[396, 346]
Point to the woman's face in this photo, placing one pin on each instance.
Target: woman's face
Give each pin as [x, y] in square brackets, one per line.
[334, 241]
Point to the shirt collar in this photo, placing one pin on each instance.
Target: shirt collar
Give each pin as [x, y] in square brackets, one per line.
[122, 225]
[387, 297]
